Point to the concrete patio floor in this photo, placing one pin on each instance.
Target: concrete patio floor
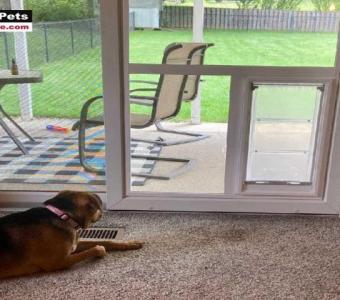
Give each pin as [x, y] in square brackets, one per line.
[208, 156]
[207, 174]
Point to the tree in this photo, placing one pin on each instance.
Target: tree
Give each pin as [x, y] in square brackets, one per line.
[266, 4]
[246, 4]
[336, 4]
[58, 10]
[322, 5]
[269, 4]
[288, 4]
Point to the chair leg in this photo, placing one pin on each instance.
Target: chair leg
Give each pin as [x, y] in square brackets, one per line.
[13, 137]
[81, 125]
[193, 137]
[187, 165]
[82, 157]
[81, 148]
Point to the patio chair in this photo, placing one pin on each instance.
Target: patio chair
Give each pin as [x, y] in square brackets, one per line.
[195, 57]
[165, 103]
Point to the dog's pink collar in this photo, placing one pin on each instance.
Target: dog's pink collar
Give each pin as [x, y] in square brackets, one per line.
[62, 215]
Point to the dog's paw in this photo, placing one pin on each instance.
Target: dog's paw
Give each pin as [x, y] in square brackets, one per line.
[99, 251]
[134, 245]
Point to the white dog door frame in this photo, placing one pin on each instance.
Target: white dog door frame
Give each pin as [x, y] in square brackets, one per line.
[320, 137]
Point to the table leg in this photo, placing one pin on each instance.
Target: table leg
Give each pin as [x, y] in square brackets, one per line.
[12, 136]
[10, 132]
[16, 124]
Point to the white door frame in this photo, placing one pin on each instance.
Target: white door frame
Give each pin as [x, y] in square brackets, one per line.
[114, 19]
[292, 203]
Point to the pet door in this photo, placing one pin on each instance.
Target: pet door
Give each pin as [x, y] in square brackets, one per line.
[283, 130]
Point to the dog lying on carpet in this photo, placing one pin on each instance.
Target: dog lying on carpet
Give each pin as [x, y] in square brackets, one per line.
[45, 239]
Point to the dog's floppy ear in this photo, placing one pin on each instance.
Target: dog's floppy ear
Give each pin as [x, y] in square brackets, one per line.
[98, 198]
[65, 201]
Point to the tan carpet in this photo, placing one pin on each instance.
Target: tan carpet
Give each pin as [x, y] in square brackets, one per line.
[204, 256]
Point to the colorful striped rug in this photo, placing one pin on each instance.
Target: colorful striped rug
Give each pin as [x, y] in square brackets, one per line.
[55, 160]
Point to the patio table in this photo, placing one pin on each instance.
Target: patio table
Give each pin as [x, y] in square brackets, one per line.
[7, 78]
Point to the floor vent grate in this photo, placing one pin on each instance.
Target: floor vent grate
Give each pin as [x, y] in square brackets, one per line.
[103, 234]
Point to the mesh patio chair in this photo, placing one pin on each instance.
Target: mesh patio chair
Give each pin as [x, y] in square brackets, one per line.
[165, 103]
[195, 57]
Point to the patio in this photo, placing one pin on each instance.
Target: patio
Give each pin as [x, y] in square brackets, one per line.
[208, 161]
[208, 156]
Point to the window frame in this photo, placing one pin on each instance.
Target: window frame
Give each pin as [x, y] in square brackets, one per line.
[231, 199]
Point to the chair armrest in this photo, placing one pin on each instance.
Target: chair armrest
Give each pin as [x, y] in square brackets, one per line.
[142, 90]
[144, 97]
[143, 100]
[89, 101]
[84, 111]
[144, 81]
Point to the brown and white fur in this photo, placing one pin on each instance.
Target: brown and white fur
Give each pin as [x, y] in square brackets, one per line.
[37, 240]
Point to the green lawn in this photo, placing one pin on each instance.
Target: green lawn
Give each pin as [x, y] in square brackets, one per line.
[70, 81]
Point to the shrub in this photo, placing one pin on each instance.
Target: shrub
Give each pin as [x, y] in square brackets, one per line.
[322, 5]
[336, 4]
[278, 4]
[288, 4]
[246, 4]
[266, 4]
[58, 10]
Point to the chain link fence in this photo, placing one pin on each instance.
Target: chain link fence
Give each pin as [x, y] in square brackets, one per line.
[53, 41]
[68, 54]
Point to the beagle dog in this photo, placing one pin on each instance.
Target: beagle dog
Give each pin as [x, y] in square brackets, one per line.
[45, 239]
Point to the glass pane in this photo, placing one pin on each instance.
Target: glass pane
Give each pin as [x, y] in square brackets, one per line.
[152, 39]
[65, 46]
[204, 168]
[282, 135]
[261, 33]
[147, 38]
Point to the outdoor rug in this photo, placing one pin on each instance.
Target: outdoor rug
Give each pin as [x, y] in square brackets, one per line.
[55, 160]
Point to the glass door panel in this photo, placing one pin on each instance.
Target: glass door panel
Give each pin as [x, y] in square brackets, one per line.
[66, 48]
[194, 153]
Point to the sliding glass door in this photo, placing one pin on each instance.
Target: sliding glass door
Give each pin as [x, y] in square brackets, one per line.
[175, 125]
[269, 153]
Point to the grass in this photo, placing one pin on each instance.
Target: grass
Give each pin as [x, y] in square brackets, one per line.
[70, 81]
